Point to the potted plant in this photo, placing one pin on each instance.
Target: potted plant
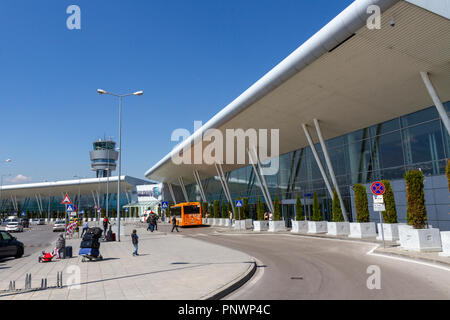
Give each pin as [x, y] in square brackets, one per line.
[260, 224]
[205, 208]
[276, 225]
[299, 225]
[338, 227]
[224, 214]
[246, 214]
[419, 237]
[317, 225]
[216, 213]
[390, 220]
[363, 228]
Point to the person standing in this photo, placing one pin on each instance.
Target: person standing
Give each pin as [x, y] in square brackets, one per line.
[105, 224]
[60, 247]
[85, 227]
[230, 214]
[174, 223]
[135, 241]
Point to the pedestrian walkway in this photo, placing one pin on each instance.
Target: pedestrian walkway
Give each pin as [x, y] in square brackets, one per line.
[170, 266]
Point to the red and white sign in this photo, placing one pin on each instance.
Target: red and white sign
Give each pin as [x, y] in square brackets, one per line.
[70, 228]
[66, 200]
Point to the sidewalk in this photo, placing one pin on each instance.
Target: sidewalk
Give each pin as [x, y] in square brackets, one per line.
[170, 266]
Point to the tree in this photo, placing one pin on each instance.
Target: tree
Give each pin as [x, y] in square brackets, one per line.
[299, 215]
[245, 209]
[224, 210]
[337, 211]
[205, 207]
[260, 210]
[216, 209]
[361, 204]
[415, 199]
[390, 215]
[317, 215]
[276, 209]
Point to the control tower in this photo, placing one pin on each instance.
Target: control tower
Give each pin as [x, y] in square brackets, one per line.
[104, 157]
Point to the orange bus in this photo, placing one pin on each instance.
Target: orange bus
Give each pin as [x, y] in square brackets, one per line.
[187, 214]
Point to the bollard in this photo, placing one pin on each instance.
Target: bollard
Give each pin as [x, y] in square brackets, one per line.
[59, 281]
[12, 286]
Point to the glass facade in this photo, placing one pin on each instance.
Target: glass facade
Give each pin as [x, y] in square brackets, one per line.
[382, 151]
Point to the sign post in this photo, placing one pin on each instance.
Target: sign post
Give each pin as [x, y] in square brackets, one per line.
[378, 189]
[66, 201]
[239, 204]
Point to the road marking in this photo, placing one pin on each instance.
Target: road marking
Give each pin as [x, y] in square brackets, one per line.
[371, 253]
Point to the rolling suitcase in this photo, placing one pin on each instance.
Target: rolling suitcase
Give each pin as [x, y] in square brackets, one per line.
[68, 252]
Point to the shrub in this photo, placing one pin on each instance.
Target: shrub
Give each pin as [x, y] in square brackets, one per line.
[260, 210]
[205, 207]
[390, 215]
[299, 215]
[361, 204]
[415, 198]
[317, 215]
[216, 209]
[337, 211]
[276, 209]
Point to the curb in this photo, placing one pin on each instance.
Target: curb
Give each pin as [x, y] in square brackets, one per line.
[234, 285]
[406, 256]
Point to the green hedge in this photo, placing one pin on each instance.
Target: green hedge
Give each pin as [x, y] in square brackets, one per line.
[245, 212]
[216, 209]
[224, 210]
[390, 215]
[299, 215]
[317, 215]
[260, 210]
[415, 199]
[336, 208]
[361, 204]
[276, 209]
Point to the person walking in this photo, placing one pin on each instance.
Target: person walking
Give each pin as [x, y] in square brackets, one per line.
[230, 214]
[149, 222]
[135, 241]
[174, 223]
[85, 227]
[156, 222]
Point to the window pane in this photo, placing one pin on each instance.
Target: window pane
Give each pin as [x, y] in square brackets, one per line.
[390, 152]
[419, 117]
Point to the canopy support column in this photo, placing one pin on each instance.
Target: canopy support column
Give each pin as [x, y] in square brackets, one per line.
[437, 101]
[258, 177]
[319, 163]
[330, 168]
[226, 190]
[183, 188]
[171, 192]
[200, 186]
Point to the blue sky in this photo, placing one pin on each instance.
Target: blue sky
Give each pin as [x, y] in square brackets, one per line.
[191, 57]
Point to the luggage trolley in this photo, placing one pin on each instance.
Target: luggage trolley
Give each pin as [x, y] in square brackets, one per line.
[90, 246]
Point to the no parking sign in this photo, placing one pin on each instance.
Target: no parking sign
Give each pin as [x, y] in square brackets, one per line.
[378, 188]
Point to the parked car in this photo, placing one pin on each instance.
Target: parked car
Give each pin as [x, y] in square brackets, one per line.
[59, 226]
[10, 246]
[38, 221]
[14, 227]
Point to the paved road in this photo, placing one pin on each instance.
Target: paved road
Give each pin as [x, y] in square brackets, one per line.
[295, 267]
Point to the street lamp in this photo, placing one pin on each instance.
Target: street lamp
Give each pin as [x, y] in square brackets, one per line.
[1, 185]
[137, 93]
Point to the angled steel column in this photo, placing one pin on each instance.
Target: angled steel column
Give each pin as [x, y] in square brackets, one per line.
[95, 200]
[200, 186]
[330, 168]
[171, 192]
[319, 163]
[183, 188]
[263, 178]
[226, 191]
[259, 180]
[437, 101]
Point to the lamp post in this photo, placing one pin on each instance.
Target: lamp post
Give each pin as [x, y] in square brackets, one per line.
[1, 186]
[137, 93]
[79, 194]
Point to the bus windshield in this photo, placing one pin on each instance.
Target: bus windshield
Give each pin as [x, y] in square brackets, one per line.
[192, 209]
[175, 211]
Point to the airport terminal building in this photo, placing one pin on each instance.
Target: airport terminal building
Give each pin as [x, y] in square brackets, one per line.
[353, 105]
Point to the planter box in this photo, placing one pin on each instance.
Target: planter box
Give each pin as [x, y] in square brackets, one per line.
[226, 222]
[362, 230]
[259, 226]
[204, 221]
[445, 239]
[299, 226]
[338, 228]
[213, 221]
[421, 240]
[316, 227]
[248, 223]
[221, 222]
[240, 225]
[277, 226]
[390, 232]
